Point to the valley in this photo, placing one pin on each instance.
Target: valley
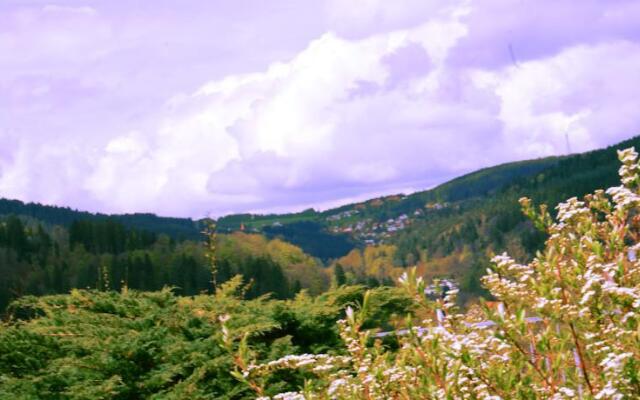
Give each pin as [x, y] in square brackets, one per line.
[450, 232]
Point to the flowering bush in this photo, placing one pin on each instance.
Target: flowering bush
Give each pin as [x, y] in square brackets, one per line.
[567, 325]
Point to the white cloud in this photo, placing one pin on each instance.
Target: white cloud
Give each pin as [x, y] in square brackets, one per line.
[585, 94]
[255, 135]
[394, 95]
[358, 18]
[329, 120]
[59, 9]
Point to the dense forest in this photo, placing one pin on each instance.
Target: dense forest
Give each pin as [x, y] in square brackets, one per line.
[39, 259]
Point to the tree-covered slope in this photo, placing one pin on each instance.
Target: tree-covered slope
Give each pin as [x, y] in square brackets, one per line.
[463, 234]
[178, 228]
[39, 259]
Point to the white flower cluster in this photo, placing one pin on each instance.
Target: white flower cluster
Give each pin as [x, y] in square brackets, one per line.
[630, 170]
[316, 362]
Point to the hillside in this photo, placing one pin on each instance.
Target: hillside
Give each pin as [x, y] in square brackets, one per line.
[334, 232]
[449, 231]
[383, 219]
[457, 239]
[440, 221]
[326, 235]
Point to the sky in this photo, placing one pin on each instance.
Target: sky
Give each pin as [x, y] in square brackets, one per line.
[194, 108]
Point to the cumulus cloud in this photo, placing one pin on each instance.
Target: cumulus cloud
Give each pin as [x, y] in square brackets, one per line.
[258, 136]
[397, 97]
[585, 94]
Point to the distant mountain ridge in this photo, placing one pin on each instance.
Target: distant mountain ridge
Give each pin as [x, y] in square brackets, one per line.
[309, 229]
[332, 233]
[178, 228]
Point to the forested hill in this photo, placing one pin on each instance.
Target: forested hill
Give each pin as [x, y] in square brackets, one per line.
[455, 237]
[177, 228]
[333, 233]
[490, 194]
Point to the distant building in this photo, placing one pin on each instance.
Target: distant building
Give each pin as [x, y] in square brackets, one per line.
[436, 206]
[444, 286]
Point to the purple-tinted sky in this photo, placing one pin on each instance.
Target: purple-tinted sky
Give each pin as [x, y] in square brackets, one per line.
[193, 107]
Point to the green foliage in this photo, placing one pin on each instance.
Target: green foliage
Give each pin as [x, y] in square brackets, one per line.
[313, 238]
[108, 236]
[255, 221]
[339, 275]
[106, 255]
[132, 345]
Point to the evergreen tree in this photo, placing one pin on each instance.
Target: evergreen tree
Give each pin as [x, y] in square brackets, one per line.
[339, 275]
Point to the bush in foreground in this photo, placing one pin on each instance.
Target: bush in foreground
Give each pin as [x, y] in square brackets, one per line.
[156, 345]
